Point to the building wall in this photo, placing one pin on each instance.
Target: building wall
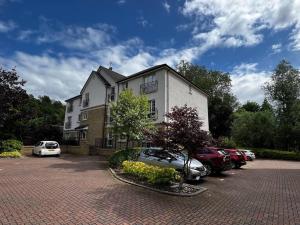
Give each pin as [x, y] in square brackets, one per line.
[96, 89]
[74, 114]
[95, 122]
[179, 94]
[159, 95]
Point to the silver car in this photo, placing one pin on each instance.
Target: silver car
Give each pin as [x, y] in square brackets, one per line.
[249, 154]
[159, 157]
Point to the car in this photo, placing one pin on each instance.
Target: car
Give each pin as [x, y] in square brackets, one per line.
[214, 159]
[237, 158]
[249, 154]
[164, 158]
[46, 148]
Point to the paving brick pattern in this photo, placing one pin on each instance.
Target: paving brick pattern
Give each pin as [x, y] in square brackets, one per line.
[79, 190]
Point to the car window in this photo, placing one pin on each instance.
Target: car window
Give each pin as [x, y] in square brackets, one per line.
[150, 152]
[162, 154]
[51, 145]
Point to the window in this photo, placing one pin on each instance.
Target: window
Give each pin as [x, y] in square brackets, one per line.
[79, 117]
[86, 100]
[70, 107]
[83, 135]
[109, 142]
[84, 116]
[112, 94]
[150, 78]
[80, 100]
[124, 86]
[152, 109]
[69, 122]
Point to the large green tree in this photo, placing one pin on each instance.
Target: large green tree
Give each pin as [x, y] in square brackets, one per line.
[284, 91]
[221, 101]
[250, 106]
[12, 96]
[130, 116]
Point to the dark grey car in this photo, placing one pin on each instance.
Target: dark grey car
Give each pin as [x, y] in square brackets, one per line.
[159, 157]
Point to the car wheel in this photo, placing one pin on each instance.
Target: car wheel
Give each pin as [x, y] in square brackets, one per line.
[233, 165]
[40, 154]
[237, 166]
[58, 155]
[208, 169]
[32, 153]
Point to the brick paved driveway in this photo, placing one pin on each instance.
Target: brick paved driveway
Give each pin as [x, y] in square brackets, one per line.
[79, 190]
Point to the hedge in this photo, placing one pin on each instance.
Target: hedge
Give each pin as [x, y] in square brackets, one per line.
[119, 157]
[14, 154]
[11, 145]
[276, 154]
[152, 174]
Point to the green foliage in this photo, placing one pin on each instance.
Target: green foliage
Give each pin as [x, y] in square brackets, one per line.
[227, 142]
[250, 107]
[221, 101]
[14, 154]
[119, 157]
[130, 115]
[276, 154]
[11, 145]
[266, 106]
[284, 91]
[254, 129]
[152, 174]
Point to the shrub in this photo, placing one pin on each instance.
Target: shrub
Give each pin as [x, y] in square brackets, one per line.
[13, 154]
[227, 142]
[152, 174]
[276, 154]
[119, 157]
[11, 145]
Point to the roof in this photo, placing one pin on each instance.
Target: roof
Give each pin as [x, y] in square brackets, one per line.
[82, 127]
[161, 67]
[99, 76]
[71, 99]
[114, 75]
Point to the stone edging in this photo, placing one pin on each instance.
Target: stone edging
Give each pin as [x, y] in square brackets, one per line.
[201, 189]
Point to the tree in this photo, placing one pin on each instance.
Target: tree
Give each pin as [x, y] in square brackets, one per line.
[254, 129]
[130, 116]
[284, 91]
[183, 130]
[221, 101]
[11, 98]
[250, 106]
[266, 106]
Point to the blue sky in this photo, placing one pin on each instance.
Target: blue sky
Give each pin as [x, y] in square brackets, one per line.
[54, 45]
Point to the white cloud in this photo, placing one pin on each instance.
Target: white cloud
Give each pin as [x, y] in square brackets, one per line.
[248, 82]
[238, 23]
[276, 48]
[167, 6]
[121, 2]
[6, 26]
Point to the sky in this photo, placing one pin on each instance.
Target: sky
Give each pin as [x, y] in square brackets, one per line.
[54, 45]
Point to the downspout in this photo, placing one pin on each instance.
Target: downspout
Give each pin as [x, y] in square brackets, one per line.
[105, 117]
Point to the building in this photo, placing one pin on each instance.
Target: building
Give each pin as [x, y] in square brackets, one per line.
[87, 116]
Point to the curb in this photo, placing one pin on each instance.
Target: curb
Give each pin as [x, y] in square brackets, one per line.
[201, 189]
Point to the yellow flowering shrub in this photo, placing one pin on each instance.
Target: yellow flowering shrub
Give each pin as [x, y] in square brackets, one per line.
[14, 154]
[152, 174]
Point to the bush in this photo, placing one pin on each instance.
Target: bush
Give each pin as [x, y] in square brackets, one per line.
[276, 154]
[119, 157]
[152, 174]
[11, 145]
[227, 142]
[13, 154]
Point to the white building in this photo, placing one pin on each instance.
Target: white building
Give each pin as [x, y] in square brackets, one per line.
[165, 88]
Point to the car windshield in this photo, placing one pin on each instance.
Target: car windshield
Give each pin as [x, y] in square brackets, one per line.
[222, 152]
[51, 145]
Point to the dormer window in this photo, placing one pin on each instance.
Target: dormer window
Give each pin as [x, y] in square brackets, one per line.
[86, 100]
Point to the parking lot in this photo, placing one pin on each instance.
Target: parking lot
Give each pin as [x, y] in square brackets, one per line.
[80, 190]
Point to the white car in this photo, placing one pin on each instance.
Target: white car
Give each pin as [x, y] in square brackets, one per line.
[46, 148]
[249, 154]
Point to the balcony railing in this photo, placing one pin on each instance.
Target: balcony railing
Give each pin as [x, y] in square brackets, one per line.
[149, 87]
[68, 125]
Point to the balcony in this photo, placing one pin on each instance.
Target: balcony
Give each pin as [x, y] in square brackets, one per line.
[149, 87]
[68, 125]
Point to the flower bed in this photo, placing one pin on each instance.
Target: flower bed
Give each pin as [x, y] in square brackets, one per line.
[14, 154]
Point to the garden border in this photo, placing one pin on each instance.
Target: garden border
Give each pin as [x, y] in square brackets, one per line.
[201, 189]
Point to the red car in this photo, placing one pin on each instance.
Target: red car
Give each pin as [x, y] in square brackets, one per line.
[214, 159]
[237, 157]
